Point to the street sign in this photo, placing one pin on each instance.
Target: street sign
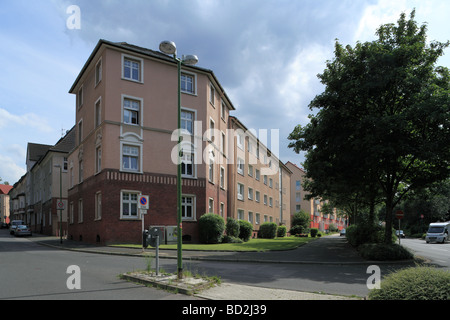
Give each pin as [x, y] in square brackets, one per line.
[399, 214]
[143, 202]
[60, 205]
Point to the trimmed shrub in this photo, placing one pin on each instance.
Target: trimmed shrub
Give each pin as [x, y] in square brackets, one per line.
[232, 228]
[297, 230]
[314, 232]
[211, 228]
[416, 283]
[281, 231]
[230, 239]
[301, 218]
[268, 230]
[245, 230]
[383, 252]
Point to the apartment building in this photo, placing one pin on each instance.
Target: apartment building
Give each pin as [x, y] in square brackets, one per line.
[319, 219]
[126, 116]
[35, 196]
[258, 182]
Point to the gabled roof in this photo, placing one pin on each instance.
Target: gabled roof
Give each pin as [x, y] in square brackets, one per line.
[143, 51]
[36, 151]
[4, 189]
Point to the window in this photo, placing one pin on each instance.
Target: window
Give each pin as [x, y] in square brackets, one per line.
[250, 217]
[222, 209]
[257, 196]
[270, 202]
[222, 177]
[298, 197]
[250, 170]
[212, 126]
[187, 165]
[98, 206]
[240, 191]
[129, 205]
[265, 199]
[212, 93]
[270, 183]
[223, 144]
[223, 110]
[258, 218]
[298, 207]
[80, 210]
[98, 112]
[257, 174]
[187, 121]
[240, 166]
[130, 158]
[188, 207]
[80, 131]
[132, 69]
[240, 141]
[187, 83]
[80, 171]
[240, 214]
[98, 72]
[71, 212]
[131, 111]
[297, 185]
[250, 193]
[211, 171]
[265, 180]
[211, 205]
[98, 159]
[65, 164]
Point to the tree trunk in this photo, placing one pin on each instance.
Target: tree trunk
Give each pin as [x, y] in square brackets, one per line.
[388, 230]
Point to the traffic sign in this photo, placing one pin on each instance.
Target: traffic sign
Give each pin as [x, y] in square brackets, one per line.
[60, 205]
[399, 214]
[143, 202]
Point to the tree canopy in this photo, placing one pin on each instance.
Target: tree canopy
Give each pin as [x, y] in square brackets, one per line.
[383, 122]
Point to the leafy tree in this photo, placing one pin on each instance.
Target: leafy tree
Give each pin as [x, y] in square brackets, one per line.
[383, 125]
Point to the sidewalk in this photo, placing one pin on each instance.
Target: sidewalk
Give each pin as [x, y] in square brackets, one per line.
[326, 250]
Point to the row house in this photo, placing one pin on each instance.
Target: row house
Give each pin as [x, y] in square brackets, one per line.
[34, 197]
[319, 219]
[259, 182]
[126, 117]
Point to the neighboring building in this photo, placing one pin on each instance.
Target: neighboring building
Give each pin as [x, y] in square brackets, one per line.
[4, 202]
[258, 182]
[34, 197]
[313, 206]
[126, 113]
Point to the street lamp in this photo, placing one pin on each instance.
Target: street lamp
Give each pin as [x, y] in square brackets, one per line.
[60, 200]
[169, 47]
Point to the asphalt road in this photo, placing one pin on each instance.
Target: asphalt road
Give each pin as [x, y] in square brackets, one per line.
[437, 253]
[34, 272]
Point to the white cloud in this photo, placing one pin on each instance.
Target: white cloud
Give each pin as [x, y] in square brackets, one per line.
[9, 170]
[25, 121]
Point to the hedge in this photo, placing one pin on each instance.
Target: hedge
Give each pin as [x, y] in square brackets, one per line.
[211, 228]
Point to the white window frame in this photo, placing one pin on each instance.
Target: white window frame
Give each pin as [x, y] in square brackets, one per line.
[240, 191]
[139, 156]
[98, 112]
[250, 193]
[194, 82]
[140, 113]
[240, 166]
[240, 214]
[194, 117]
[222, 177]
[98, 206]
[98, 159]
[192, 204]
[129, 202]
[98, 72]
[257, 196]
[211, 205]
[141, 68]
[212, 94]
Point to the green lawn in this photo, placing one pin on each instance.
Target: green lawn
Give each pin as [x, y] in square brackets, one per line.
[286, 243]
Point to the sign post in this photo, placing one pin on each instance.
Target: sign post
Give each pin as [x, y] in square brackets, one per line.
[399, 215]
[143, 207]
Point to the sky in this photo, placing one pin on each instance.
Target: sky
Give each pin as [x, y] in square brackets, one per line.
[266, 54]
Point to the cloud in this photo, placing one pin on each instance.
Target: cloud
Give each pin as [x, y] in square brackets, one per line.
[28, 120]
[9, 170]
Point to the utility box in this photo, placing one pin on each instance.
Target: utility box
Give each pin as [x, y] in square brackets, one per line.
[171, 234]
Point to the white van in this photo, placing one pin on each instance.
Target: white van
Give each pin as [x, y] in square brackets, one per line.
[14, 225]
[437, 232]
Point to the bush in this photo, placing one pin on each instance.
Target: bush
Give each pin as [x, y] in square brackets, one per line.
[281, 231]
[314, 232]
[360, 234]
[383, 252]
[245, 230]
[301, 218]
[211, 228]
[268, 230]
[297, 230]
[231, 239]
[417, 283]
[232, 228]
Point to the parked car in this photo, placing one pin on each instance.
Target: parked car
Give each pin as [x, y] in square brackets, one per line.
[402, 234]
[14, 225]
[22, 230]
[4, 225]
[342, 233]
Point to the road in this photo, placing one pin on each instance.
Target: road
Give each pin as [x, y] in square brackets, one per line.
[437, 253]
[34, 272]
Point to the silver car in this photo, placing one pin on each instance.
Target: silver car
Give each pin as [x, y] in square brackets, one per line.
[22, 230]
